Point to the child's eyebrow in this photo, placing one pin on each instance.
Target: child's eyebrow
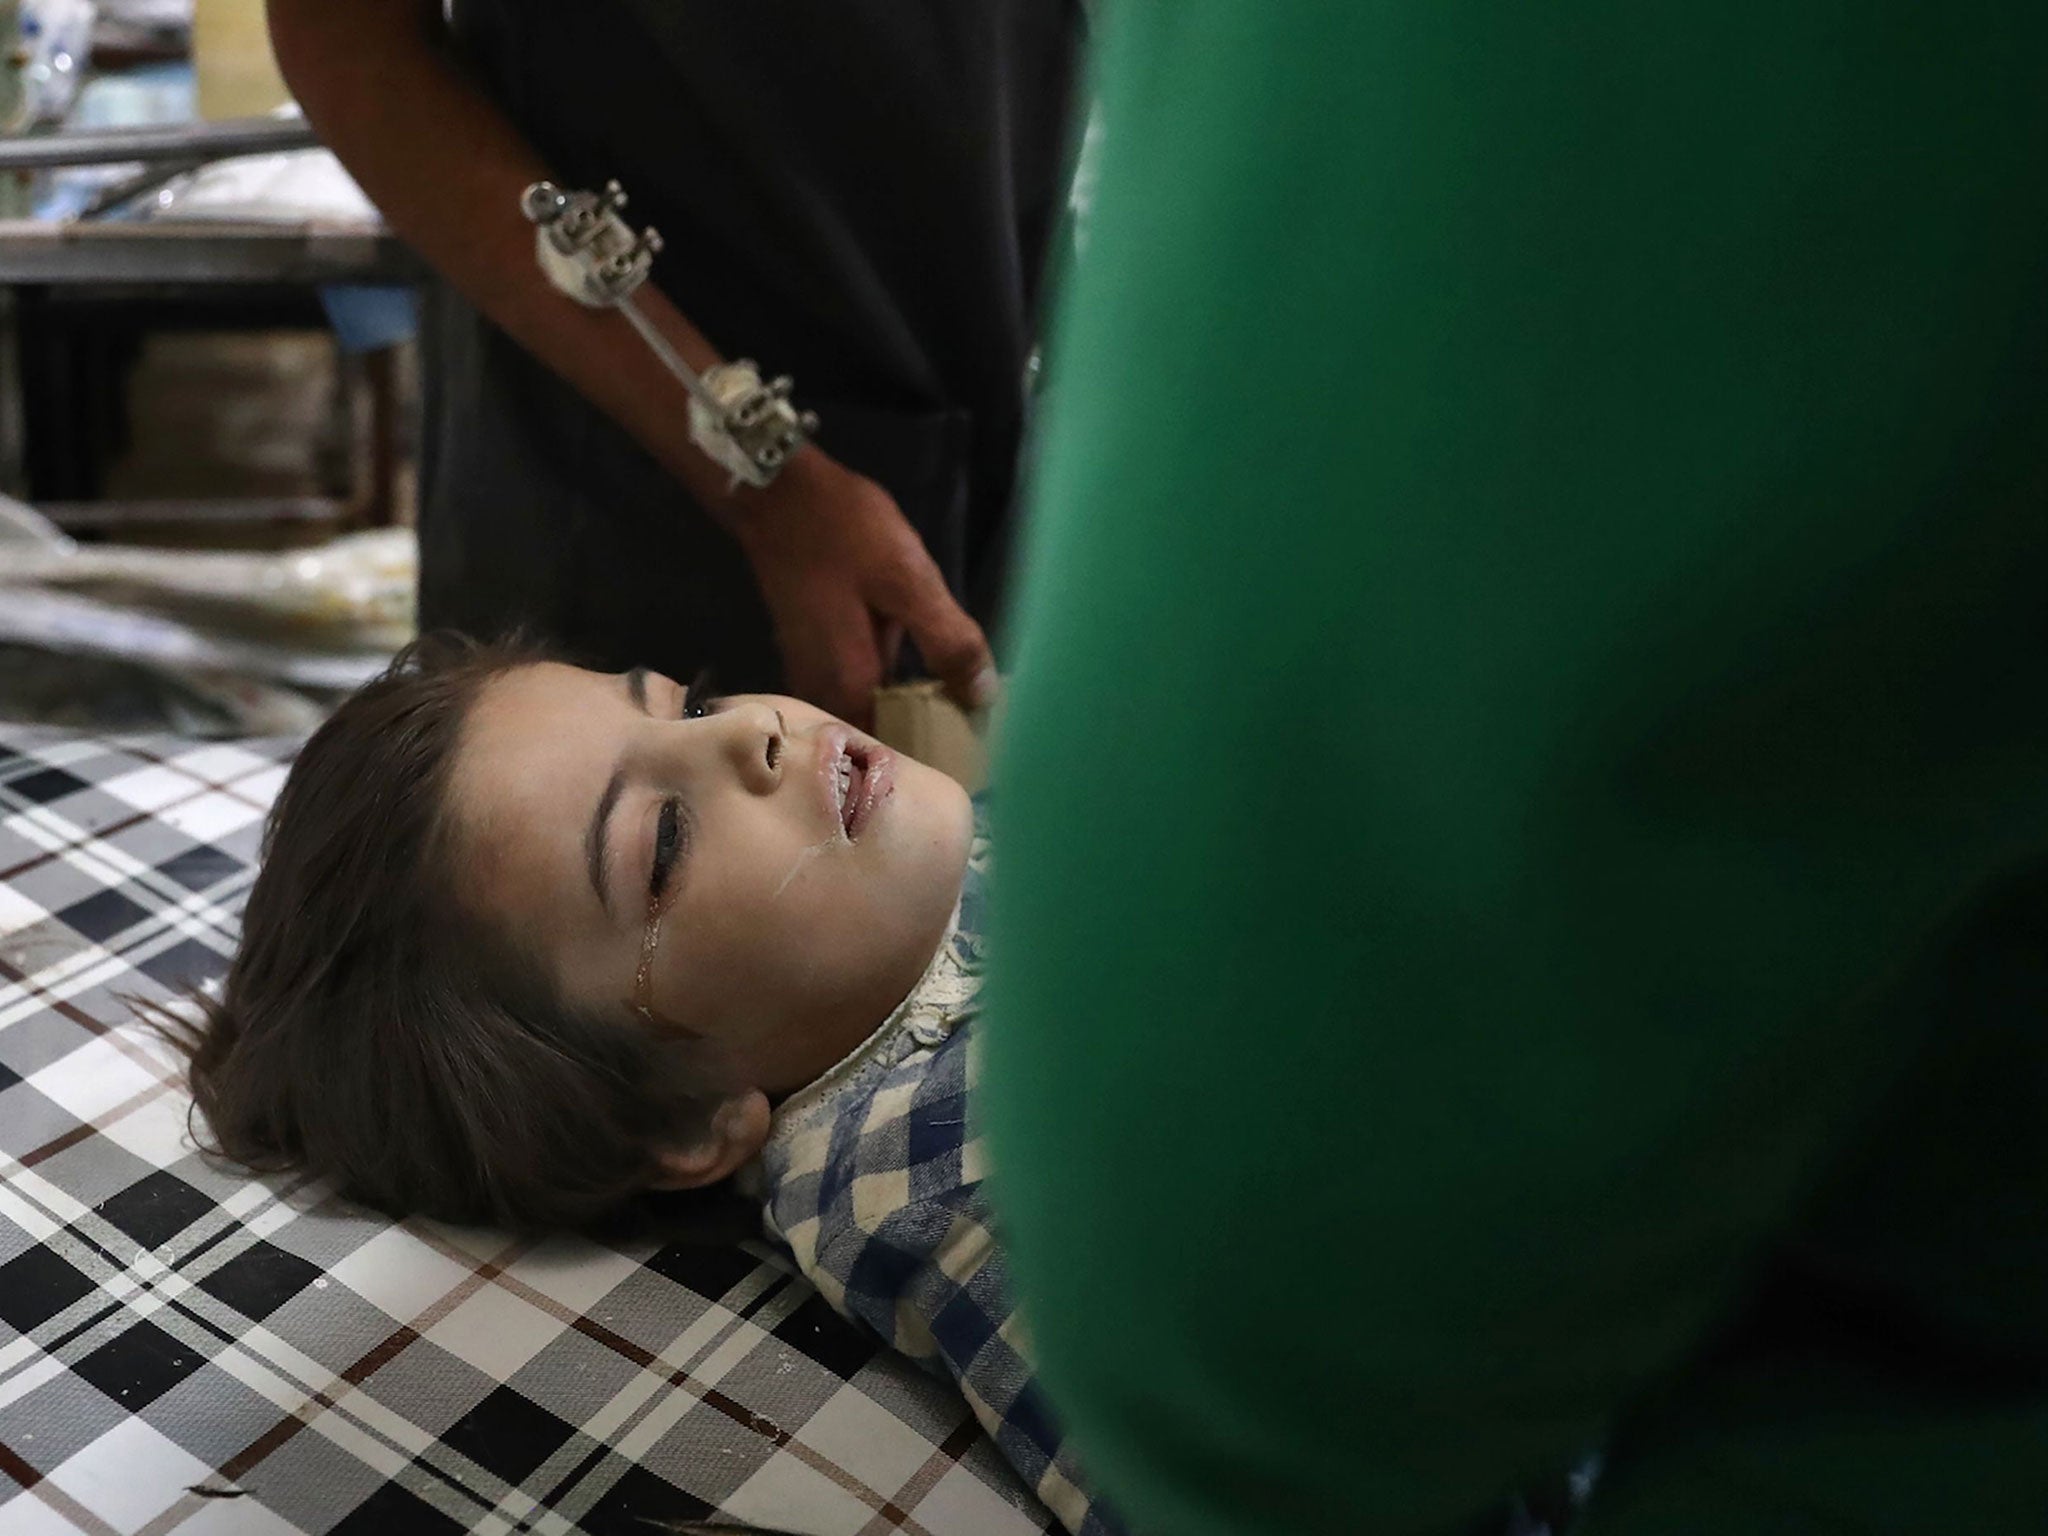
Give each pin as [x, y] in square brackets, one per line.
[597, 838]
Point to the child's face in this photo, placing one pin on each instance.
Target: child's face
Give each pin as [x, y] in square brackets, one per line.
[810, 871]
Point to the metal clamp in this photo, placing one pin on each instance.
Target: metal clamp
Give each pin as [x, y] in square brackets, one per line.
[588, 252]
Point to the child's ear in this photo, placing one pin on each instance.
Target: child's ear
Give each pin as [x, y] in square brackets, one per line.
[738, 1130]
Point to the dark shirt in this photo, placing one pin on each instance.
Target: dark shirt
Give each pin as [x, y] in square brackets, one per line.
[859, 194]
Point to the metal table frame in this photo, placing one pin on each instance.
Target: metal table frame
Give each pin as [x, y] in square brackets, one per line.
[168, 258]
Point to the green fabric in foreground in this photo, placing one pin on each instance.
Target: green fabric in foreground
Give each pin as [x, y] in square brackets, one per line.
[1536, 616]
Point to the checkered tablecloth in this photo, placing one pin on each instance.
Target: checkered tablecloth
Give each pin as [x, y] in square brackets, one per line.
[186, 1350]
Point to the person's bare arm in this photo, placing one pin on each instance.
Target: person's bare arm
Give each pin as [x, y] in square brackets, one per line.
[840, 567]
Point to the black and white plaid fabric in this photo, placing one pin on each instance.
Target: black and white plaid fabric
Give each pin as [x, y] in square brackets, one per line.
[186, 1350]
[874, 1176]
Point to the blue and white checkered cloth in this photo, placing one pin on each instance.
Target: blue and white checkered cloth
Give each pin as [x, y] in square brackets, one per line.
[873, 1177]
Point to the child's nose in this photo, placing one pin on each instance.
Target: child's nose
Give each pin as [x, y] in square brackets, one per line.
[756, 741]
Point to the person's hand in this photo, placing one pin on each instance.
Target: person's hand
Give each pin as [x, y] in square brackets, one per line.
[845, 577]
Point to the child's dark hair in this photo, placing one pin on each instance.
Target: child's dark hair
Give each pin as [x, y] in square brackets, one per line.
[375, 1030]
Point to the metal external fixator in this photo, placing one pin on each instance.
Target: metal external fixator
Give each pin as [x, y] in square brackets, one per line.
[589, 253]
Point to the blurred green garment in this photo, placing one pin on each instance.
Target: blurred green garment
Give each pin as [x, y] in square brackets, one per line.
[1518, 929]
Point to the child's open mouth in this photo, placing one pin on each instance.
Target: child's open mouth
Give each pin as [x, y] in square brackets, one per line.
[860, 777]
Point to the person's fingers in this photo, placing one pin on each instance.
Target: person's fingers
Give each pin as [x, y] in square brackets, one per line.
[952, 644]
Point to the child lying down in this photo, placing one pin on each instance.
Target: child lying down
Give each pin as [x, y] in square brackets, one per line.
[529, 942]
